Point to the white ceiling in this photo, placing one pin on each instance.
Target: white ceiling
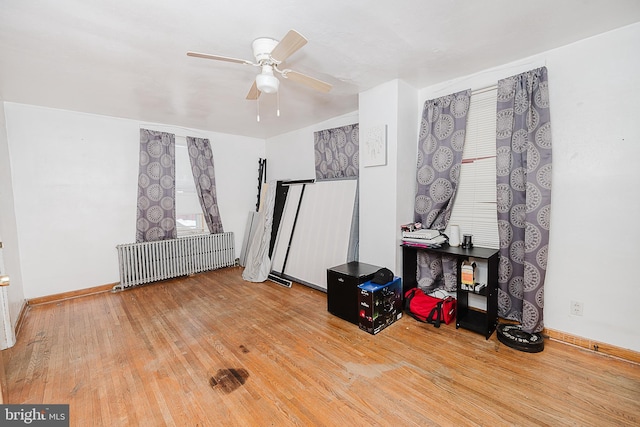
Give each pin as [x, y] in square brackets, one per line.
[127, 58]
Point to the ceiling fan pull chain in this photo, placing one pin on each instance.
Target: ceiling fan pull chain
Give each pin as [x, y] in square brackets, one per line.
[258, 109]
[278, 103]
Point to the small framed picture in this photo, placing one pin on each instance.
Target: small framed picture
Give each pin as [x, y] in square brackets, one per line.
[373, 151]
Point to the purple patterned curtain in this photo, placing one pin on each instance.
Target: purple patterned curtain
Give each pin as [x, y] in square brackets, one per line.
[336, 152]
[156, 215]
[201, 158]
[523, 164]
[440, 145]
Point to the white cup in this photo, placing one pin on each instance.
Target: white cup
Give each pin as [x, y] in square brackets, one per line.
[454, 235]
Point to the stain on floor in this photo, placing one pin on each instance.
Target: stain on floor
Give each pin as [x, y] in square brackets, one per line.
[228, 380]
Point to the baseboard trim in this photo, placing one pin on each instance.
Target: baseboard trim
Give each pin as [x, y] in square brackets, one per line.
[71, 294]
[595, 346]
[21, 317]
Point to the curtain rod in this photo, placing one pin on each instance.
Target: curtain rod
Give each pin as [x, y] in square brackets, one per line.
[484, 89]
[177, 135]
[172, 128]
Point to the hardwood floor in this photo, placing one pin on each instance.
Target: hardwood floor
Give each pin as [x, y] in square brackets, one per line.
[212, 349]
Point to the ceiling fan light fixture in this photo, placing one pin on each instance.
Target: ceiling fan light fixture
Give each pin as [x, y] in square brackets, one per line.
[269, 54]
[267, 83]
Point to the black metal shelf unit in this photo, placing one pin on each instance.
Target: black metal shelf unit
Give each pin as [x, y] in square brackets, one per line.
[481, 321]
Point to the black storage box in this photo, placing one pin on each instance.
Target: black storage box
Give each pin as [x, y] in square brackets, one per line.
[342, 288]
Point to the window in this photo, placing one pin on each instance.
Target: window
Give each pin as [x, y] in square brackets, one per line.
[189, 216]
[474, 208]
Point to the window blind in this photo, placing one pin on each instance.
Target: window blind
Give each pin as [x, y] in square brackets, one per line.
[474, 207]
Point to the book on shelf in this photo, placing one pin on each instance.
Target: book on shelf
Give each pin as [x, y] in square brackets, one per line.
[421, 245]
[424, 243]
[421, 234]
[435, 241]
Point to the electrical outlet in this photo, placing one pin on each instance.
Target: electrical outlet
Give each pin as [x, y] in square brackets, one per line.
[576, 308]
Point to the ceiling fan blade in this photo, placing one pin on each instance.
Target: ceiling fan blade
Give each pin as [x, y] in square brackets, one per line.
[254, 93]
[219, 58]
[312, 82]
[291, 42]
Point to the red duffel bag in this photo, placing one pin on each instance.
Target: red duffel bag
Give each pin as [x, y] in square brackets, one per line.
[429, 309]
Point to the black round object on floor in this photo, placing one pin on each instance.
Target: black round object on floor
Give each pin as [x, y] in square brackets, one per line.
[513, 336]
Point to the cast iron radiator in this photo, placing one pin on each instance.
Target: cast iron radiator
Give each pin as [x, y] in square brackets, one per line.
[152, 261]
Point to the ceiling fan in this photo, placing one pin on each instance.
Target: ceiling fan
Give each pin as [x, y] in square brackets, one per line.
[269, 55]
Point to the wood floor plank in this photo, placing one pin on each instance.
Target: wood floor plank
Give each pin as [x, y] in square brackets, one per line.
[146, 357]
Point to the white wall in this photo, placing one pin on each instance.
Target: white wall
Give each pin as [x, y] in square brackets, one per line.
[594, 93]
[75, 182]
[386, 190]
[594, 247]
[406, 160]
[8, 232]
[291, 155]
